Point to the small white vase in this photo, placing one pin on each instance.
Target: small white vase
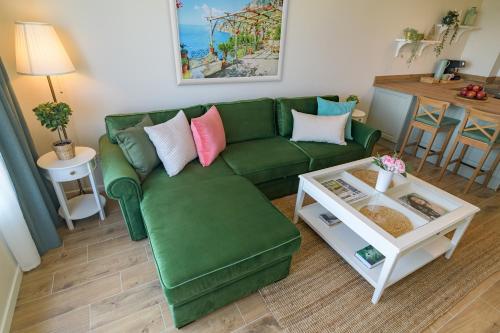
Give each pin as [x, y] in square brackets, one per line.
[383, 180]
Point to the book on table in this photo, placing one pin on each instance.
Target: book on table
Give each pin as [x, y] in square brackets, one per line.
[369, 256]
[343, 190]
[329, 219]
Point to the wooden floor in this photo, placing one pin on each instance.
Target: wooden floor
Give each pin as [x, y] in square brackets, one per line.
[101, 281]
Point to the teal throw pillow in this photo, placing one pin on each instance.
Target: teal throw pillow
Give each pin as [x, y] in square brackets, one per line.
[330, 108]
[137, 148]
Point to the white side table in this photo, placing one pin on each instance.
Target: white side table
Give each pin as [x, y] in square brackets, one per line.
[359, 115]
[58, 171]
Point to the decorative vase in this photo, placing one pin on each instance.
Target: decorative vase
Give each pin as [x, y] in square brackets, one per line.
[383, 180]
[64, 150]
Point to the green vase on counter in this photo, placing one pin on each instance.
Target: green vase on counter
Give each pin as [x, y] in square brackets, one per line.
[470, 16]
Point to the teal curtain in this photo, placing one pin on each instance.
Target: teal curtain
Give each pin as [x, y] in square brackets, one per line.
[16, 146]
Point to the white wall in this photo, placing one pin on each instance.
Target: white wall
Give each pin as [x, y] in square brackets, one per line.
[9, 284]
[483, 48]
[124, 59]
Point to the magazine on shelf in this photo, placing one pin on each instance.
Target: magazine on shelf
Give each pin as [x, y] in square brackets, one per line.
[329, 219]
[369, 256]
[423, 207]
[343, 190]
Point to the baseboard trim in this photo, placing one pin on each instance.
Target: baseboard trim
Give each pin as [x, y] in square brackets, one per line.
[8, 314]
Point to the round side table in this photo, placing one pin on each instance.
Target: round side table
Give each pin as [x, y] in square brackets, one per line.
[59, 171]
[359, 115]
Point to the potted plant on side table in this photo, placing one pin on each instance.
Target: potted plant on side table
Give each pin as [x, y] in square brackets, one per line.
[389, 165]
[55, 116]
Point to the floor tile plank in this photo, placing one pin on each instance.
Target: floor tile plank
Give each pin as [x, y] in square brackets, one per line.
[125, 303]
[147, 320]
[113, 246]
[139, 275]
[478, 317]
[76, 321]
[42, 309]
[95, 269]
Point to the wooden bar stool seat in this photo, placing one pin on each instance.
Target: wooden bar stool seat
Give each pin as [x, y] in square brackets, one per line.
[429, 116]
[479, 130]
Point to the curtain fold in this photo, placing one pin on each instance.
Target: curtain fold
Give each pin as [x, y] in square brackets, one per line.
[16, 146]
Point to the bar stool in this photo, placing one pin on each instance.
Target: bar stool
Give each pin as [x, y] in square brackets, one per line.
[429, 117]
[479, 130]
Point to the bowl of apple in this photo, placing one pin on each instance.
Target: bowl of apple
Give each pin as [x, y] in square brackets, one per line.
[473, 92]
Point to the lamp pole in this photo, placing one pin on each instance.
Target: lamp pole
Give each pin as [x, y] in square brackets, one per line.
[54, 98]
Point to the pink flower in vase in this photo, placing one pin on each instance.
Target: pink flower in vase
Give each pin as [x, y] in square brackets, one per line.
[399, 166]
[388, 162]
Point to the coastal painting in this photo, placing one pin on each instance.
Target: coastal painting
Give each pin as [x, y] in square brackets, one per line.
[228, 40]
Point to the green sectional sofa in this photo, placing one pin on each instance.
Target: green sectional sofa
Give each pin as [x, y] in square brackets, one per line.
[214, 234]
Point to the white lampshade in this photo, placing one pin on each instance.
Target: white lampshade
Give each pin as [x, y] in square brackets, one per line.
[39, 50]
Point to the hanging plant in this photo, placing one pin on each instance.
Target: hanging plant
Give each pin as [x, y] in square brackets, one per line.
[415, 38]
[451, 22]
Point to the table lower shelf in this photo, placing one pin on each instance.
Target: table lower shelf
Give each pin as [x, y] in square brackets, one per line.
[345, 242]
[83, 206]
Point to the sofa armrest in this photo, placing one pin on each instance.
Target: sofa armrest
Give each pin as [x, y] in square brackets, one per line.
[365, 136]
[122, 183]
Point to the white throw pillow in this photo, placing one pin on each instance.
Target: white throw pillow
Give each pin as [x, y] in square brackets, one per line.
[308, 127]
[173, 142]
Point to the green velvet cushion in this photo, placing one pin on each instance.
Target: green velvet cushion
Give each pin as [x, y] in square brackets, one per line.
[117, 122]
[478, 135]
[158, 181]
[211, 234]
[247, 120]
[301, 104]
[266, 159]
[324, 155]
[447, 121]
[137, 148]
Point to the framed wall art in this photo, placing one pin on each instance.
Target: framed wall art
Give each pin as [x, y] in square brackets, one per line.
[228, 40]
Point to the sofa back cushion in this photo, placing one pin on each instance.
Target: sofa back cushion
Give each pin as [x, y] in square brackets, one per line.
[248, 120]
[118, 122]
[301, 104]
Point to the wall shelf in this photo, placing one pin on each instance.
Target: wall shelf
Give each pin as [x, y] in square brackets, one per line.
[440, 29]
[423, 44]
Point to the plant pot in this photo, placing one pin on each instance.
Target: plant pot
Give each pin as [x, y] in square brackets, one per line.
[64, 150]
[383, 180]
[212, 49]
[185, 68]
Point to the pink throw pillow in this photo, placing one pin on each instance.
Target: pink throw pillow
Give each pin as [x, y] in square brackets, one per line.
[209, 136]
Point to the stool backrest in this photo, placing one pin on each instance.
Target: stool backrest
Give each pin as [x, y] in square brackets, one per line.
[433, 109]
[485, 123]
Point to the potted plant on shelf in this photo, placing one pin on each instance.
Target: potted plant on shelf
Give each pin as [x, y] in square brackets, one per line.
[389, 165]
[55, 116]
[451, 22]
[352, 98]
[412, 35]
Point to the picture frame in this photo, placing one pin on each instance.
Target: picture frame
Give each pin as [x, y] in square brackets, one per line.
[253, 53]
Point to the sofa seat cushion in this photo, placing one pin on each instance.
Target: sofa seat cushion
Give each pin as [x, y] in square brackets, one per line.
[158, 181]
[324, 155]
[212, 234]
[266, 159]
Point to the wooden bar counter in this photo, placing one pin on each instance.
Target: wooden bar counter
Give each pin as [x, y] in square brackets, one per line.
[446, 92]
[394, 100]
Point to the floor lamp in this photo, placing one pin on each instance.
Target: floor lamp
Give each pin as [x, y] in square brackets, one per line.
[39, 52]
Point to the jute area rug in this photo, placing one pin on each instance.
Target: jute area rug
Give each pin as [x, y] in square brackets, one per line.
[324, 294]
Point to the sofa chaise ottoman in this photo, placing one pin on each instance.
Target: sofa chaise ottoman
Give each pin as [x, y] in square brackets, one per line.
[214, 234]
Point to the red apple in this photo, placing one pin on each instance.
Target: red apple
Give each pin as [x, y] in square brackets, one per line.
[463, 91]
[481, 95]
[471, 94]
[477, 88]
[469, 87]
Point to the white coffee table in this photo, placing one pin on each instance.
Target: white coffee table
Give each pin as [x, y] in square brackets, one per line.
[404, 254]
